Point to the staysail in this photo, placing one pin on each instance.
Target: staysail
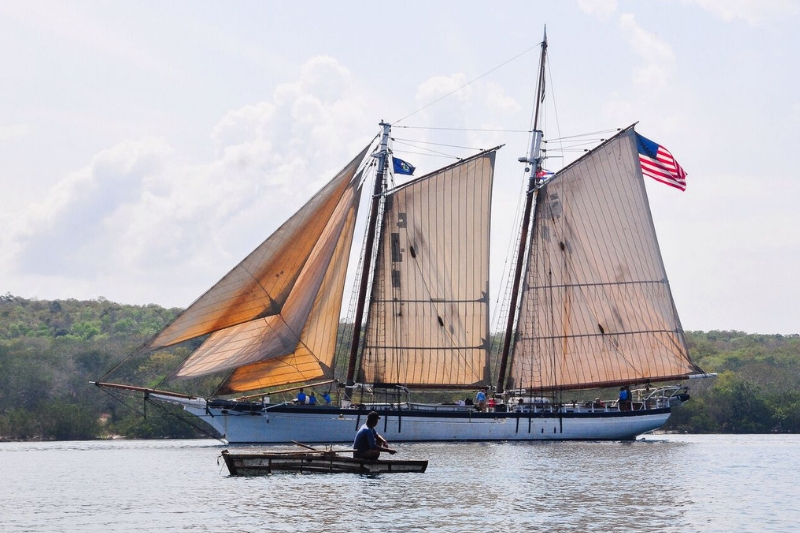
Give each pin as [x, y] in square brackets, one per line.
[279, 308]
[596, 308]
[313, 353]
[428, 322]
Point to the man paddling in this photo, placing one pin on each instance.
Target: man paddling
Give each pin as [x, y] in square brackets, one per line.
[368, 444]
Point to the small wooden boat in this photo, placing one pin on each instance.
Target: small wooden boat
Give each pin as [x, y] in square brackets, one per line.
[256, 463]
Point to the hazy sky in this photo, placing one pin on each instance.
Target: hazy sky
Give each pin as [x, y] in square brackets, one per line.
[147, 147]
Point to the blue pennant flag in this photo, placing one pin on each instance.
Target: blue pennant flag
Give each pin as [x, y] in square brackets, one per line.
[401, 167]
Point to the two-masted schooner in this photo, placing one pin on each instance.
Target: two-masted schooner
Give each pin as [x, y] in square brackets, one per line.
[591, 309]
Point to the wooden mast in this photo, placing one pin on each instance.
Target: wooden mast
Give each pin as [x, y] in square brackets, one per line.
[535, 164]
[377, 194]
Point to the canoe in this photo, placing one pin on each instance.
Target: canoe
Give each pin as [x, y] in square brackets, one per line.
[328, 462]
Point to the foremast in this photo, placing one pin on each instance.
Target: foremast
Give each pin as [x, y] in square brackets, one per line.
[534, 167]
[377, 194]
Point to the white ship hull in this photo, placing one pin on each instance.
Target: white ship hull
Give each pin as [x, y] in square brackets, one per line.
[323, 425]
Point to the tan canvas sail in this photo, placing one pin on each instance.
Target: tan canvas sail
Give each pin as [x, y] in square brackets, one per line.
[298, 342]
[261, 284]
[313, 354]
[596, 308]
[428, 317]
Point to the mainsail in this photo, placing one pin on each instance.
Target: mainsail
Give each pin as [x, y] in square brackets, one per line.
[428, 322]
[596, 308]
[274, 317]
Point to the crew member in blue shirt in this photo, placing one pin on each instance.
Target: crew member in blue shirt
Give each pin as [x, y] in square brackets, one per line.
[625, 399]
[480, 400]
[368, 444]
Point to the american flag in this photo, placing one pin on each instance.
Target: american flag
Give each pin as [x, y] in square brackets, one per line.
[659, 164]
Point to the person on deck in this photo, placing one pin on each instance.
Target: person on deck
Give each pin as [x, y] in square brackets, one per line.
[368, 444]
[480, 400]
[625, 403]
[312, 398]
[326, 398]
[301, 397]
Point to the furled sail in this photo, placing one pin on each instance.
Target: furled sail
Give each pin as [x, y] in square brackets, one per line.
[282, 303]
[428, 322]
[596, 308]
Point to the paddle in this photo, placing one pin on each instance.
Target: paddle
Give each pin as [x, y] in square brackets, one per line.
[321, 451]
[305, 445]
[386, 449]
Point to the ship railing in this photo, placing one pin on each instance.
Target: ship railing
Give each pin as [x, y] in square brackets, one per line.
[440, 407]
[379, 406]
[268, 406]
[661, 397]
[655, 398]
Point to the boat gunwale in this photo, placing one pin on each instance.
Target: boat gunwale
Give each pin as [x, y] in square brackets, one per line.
[316, 461]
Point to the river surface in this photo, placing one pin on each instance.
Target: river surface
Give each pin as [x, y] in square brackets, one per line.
[660, 483]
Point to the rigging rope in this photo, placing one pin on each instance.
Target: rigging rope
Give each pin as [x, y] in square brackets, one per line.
[468, 83]
[184, 419]
[485, 130]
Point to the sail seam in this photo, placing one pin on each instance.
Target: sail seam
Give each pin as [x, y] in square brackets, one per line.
[607, 334]
[601, 284]
[429, 300]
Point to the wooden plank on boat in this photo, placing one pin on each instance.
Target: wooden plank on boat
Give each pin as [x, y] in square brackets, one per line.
[260, 463]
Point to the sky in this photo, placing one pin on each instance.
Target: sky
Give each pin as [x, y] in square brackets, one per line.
[147, 147]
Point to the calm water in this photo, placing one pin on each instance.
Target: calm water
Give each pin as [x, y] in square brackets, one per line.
[661, 484]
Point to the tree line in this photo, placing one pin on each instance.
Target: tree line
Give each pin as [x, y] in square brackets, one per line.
[51, 350]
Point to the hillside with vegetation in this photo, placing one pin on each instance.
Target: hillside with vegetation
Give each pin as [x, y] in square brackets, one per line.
[51, 350]
[757, 389]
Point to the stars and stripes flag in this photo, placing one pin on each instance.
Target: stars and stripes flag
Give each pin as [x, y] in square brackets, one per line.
[658, 163]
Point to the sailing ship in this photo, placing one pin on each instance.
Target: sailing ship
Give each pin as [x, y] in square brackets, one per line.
[591, 308]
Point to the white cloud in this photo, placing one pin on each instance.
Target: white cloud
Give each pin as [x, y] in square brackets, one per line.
[13, 131]
[68, 232]
[440, 86]
[754, 12]
[601, 8]
[139, 218]
[498, 101]
[244, 123]
[658, 56]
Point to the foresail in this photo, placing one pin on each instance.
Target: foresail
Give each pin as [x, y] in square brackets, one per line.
[262, 283]
[597, 308]
[298, 343]
[313, 355]
[428, 321]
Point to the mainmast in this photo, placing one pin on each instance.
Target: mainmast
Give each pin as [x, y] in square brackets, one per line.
[377, 194]
[534, 162]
